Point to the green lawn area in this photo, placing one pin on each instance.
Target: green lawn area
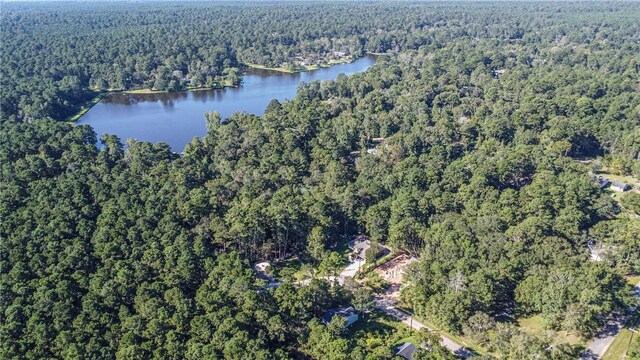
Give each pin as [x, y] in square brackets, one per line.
[88, 105]
[379, 329]
[290, 269]
[303, 68]
[533, 325]
[620, 344]
[626, 179]
[633, 280]
[618, 348]
[144, 91]
[462, 340]
[342, 246]
[262, 67]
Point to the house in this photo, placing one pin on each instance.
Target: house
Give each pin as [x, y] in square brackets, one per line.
[339, 53]
[394, 270]
[406, 350]
[177, 74]
[620, 186]
[498, 72]
[349, 313]
[603, 182]
[361, 245]
[262, 270]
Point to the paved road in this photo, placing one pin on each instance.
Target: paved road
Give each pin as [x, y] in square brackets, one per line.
[386, 304]
[605, 337]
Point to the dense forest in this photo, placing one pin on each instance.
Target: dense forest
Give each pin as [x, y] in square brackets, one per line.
[488, 113]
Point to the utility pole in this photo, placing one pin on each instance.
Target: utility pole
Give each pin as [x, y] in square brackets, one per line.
[633, 331]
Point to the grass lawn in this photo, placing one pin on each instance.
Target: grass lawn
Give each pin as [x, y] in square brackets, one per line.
[619, 346]
[533, 325]
[342, 246]
[280, 68]
[287, 270]
[304, 68]
[462, 340]
[633, 280]
[379, 329]
[626, 179]
[144, 91]
[88, 105]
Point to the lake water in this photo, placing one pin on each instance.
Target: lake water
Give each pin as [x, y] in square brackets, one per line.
[175, 118]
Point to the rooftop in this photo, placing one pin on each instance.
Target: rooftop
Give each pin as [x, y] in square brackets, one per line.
[406, 350]
[344, 312]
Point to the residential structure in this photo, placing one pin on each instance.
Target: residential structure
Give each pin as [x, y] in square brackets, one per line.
[393, 271]
[349, 313]
[361, 245]
[406, 351]
[603, 182]
[262, 270]
[620, 186]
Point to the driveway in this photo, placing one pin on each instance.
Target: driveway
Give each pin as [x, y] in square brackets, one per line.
[351, 269]
[387, 302]
[605, 337]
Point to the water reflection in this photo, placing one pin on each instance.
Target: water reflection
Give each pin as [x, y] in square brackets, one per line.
[175, 118]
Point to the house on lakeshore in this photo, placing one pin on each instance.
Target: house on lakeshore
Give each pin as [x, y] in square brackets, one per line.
[348, 313]
[406, 351]
[620, 186]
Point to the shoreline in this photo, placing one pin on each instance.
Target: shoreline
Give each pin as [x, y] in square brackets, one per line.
[102, 94]
[87, 106]
[345, 60]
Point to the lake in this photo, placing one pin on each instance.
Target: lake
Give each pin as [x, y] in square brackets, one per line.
[175, 118]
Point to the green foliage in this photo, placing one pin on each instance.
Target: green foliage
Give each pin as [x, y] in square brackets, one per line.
[121, 253]
[631, 202]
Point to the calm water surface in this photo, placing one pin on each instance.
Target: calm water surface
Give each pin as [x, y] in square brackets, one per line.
[175, 118]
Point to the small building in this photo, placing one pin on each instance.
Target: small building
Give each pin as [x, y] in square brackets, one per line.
[262, 270]
[349, 313]
[394, 270]
[603, 182]
[177, 74]
[463, 120]
[620, 186]
[361, 245]
[406, 351]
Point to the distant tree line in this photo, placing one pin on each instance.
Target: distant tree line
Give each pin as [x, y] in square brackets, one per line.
[136, 252]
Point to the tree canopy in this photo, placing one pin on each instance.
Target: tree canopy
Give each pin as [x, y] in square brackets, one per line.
[132, 251]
